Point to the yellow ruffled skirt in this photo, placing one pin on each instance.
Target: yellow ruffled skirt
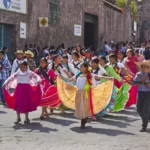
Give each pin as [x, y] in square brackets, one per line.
[75, 99]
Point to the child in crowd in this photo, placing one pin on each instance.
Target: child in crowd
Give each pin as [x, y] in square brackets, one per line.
[142, 79]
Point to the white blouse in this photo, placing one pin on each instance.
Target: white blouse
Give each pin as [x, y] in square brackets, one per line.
[100, 73]
[61, 69]
[81, 81]
[15, 66]
[23, 77]
[75, 70]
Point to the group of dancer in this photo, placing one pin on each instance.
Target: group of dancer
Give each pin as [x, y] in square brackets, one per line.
[92, 86]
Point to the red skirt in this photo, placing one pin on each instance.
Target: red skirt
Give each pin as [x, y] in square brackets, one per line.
[24, 99]
[50, 97]
[133, 96]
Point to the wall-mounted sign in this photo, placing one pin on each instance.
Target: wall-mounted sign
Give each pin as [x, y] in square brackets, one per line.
[23, 30]
[43, 21]
[135, 26]
[19, 6]
[77, 30]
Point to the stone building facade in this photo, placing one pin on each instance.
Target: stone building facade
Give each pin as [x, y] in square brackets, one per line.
[99, 21]
[144, 20]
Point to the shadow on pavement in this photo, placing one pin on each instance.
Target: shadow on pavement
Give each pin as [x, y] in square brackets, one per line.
[62, 122]
[113, 123]
[34, 126]
[109, 132]
[123, 118]
[148, 131]
[3, 112]
[66, 115]
[127, 112]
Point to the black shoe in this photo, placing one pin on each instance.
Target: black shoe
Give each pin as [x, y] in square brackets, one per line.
[83, 124]
[42, 118]
[143, 130]
[85, 121]
[18, 120]
[27, 121]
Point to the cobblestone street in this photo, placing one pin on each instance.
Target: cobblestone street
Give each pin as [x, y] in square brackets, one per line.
[118, 131]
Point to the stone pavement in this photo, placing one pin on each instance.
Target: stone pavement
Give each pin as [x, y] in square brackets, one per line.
[117, 131]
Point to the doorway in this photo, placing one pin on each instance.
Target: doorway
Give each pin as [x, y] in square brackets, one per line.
[91, 31]
[6, 37]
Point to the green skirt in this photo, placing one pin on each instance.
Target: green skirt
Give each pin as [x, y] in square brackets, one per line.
[122, 97]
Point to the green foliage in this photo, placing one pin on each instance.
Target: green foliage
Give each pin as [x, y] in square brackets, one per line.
[121, 3]
[133, 7]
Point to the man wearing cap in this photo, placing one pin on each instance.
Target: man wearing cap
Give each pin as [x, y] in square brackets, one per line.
[142, 78]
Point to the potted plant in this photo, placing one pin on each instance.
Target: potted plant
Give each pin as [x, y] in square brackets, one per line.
[122, 4]
[133, 8]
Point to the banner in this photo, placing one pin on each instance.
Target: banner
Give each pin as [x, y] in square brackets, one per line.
[19, 6]
[23, 30]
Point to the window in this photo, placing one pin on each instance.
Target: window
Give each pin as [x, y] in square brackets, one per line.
[54, 12]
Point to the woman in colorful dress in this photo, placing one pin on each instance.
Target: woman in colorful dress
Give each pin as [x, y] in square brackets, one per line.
[27, 94]
[49, 90]
[84, 98]
[132, 69]
[66, 64]
[122, 89]
[130, 62]
[60, 70]
[100, 71]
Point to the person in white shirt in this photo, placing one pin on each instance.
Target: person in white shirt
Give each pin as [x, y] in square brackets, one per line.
[142, 49]
[19, 59]
[106, 47]
[76, 63]
[69, 56]
[50, 56]
[45, 52]
[88, 57]
[97, 70]
[58, 67]
[66, 64]
[118, 67]
[120, 56]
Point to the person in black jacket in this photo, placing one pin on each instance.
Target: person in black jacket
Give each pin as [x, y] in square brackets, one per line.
[147, 53]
